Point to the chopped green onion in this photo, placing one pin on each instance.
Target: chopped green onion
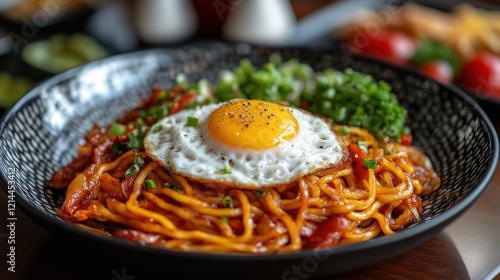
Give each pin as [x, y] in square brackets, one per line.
[227, 202]
[370, 163]
[135, 142]
[260, 193]
[139, 161]
[139, 124]
[118, 148]
[226, 170]
[135, 167]
[224, 220]
[150, 183]
[363, 146]
[174, 186]
[117, 129]
[162, 95]
[158, 128]
[191, 121]
[345, 130]
[389, 152]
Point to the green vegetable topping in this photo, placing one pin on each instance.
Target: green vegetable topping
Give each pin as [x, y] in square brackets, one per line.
[357, 100]
[174, 186]
[158, 128]
[224, 220]
[260, 193]
[118, 148]
[191, 121]
[345, 130]
[150, 183]
[226, 170]
[135, 167]
[135, 141]
[363, 146]
[274, 81]
[347, 97]
[370, 163]
[117, 129]
[227, 202]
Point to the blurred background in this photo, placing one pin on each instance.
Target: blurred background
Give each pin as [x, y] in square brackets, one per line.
[40, 38]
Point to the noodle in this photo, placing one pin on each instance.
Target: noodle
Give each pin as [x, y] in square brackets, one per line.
[335, 206]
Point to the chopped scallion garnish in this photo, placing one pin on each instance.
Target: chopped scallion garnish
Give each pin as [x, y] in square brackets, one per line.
[150, 183]
[363, 146]
[227, 202]
[191, 121]
[370, 163]
[118, 148]
[345, 130]
[135, 167]
[158, 128]
[224, 220]
[174, 186]
[260, 193]
[226, 170]
[135, 142]
[117, 129]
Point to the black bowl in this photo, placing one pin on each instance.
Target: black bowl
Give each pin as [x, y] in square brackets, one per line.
[40, 133]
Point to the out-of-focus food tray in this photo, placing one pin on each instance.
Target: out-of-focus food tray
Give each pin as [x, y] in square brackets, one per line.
[467, 28]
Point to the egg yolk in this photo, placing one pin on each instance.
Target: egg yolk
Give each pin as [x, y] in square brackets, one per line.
[252, 124]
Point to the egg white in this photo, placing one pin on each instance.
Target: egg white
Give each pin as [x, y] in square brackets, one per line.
[191, 152]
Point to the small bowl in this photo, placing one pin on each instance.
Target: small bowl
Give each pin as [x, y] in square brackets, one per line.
[41, 131]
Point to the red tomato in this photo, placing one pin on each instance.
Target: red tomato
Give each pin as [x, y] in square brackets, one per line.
[395, 47]
[439, 70]
[329, 232]
[481, 75]
[358, 157]
[406, 139]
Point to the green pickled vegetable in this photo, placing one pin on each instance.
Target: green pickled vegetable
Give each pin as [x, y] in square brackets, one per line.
[61, 52]
[12, 88]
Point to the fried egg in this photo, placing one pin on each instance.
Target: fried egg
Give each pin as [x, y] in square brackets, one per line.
[244, 144]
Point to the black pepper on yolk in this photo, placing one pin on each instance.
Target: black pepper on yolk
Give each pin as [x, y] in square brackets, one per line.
[252, 124]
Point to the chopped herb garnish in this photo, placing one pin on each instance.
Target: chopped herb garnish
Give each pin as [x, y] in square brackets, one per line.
[162, 95]
[174, 186]
[158, 128]
[345, 130]
[224, 220]
[226, 170]
[260, 193]
[117, 129]
[363, 146]
[347, 97]
[227, 202]
[191, 121]
[150, 183]
[157, 112]
[139, 124]
[370, 163]
[135, 167]
[118, 148]
[139, 161]
[135, 142]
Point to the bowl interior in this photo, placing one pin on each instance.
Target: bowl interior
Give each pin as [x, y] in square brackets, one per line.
[40, 133]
